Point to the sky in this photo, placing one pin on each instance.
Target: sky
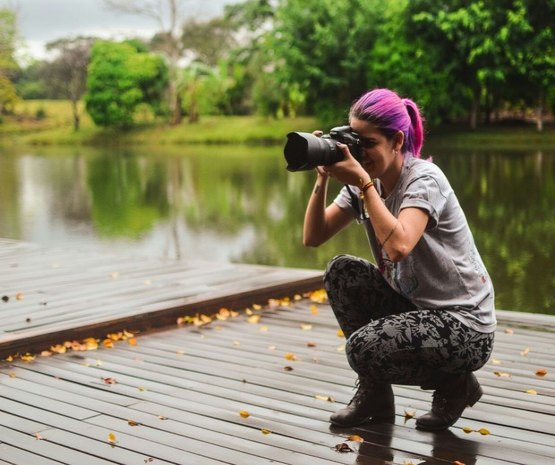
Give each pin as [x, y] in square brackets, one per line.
[43, 21]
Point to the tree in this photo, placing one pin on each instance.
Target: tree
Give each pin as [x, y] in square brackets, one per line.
[169, 17]
[67, 74]
[121, 77]
[8, 65]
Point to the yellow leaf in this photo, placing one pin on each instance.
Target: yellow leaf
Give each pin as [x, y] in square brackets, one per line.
[297, 297]
[205, 318]
[257, 307]
[326, 398]
[254, 319]
[468, 429]
[45, 353]
[112, 438]
[236, 343]
[541, 372]
[12, 375]
[244, 414]
[132, 341]
[484, 431]
[340, 333]
[314, 309]
[27, 357]
[142, 389]
[264, 329]
[355, 437]
[133, 423]
[525, 352]
[108, 343]
[409, 414]
[265, 431]
[248, 311]
[531, 391]
[127, 334]
[318, 296]
[234, 314]
[494, 361]
[58, 349]
[10, 358]
[501, 374]
[290, 356]
[306, 327]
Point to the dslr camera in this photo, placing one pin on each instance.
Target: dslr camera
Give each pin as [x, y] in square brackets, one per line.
[304, 151]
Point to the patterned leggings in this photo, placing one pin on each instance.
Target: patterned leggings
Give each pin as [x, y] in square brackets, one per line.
[389, 339]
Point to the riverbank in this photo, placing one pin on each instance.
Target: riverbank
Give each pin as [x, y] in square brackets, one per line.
[49, 122]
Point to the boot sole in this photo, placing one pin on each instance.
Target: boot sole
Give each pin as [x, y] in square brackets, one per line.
[475, 397]
[376, 419]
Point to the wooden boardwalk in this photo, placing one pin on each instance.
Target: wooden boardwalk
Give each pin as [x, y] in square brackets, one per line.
[258, 388]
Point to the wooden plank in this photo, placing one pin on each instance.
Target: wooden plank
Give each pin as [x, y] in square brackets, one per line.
[17, 456]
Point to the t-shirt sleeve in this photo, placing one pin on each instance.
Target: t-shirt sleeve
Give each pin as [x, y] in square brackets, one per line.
[425, 193]
[344, 201]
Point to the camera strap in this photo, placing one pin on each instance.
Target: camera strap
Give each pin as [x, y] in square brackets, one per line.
[357, 205]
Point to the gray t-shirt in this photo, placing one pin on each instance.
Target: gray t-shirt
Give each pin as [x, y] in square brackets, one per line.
[444, 271]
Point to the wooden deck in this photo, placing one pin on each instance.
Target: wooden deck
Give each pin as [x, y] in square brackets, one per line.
[176, 396]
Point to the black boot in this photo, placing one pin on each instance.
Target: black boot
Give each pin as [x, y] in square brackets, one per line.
[370, 401]
[451, 397]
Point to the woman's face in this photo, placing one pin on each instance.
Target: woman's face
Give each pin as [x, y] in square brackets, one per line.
[380, 155]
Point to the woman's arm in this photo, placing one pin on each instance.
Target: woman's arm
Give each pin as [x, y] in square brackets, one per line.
[321, 222]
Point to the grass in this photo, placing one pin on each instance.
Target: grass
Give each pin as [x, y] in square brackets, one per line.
[55, 128]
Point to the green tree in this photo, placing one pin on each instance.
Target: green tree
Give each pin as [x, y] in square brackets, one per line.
[8, 65]
[120, 78]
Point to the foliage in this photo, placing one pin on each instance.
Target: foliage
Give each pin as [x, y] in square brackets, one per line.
[120, 78]
[8, 94]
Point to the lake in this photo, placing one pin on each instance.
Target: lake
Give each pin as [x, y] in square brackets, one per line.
[239, 204]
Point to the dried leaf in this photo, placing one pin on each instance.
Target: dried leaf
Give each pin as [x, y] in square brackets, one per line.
[494, 361]
[19, 296]
[288, 368]
[306, 326]
[162, 417]
[133, 423]
[311, 344]
[254, 319]
[257, 307]
[290, 356]
[326, 398]
[468, 429]
[132, 341]
[409, 414]
[248, 311]
[532, 392]
[355, 438]
[5, 298]
[244, 414]
[142, 389]
[314, 309]
[10, 358]
[340, 333]
[265, 431]
[541, 372]
[343, 447]
[502, 374]
[27, 357]
[297, 297]
[38, 437]
[12, 375]
[108, 343]
[525, 352]
[112, 438]
[110, 381]
[58, 349]
[318, 296]
[45, 353]
[484, 431]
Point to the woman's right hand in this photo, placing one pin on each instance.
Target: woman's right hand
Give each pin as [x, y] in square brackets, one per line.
[320, 169]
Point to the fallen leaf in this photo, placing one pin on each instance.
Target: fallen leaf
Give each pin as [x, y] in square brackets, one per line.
[27, 357]
[112, 438]
[541, 372]
[236, 343]
[340, 333]
[355, 437]
[254, 319]
[484, 431]
[108, 343]
[306, 326]
[297, 297]
[314, 309]
[58, 349]
[288, 368]
[244, 414]
[525, 352]
[343, 447]
[502, 374]
[311, 344]
[10, 358]
[264, 329]
[509, 331]
[38, 437]
[290, 356]
[468, 429]
[141, 388]
[531, 391]
[110, 381]
[409, 414]
[248, 311]
[12, 375]
[457, 462]
[5, 298]
[265, 431]
[162, 417]
[318, 296]
[494, 361]
[257, 307]
[19, 296]
[45, 353]
[326, 398]
[132, 341]
[133, 423]
[341, 348]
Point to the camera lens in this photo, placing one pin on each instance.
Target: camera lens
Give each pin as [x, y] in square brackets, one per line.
[304, 151]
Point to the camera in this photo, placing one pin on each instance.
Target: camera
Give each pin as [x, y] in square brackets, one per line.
[304, 151]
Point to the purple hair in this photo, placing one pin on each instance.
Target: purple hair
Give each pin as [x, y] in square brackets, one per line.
[390, 113]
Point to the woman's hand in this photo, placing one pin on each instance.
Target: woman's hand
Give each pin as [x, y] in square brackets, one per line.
[348, 170]
[320, 169]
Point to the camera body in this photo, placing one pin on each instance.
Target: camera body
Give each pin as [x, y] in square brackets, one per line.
[304, 151]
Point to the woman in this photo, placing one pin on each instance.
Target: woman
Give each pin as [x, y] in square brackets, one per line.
[425, 314]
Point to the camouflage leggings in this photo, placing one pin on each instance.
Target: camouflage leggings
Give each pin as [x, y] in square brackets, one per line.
[389, 339]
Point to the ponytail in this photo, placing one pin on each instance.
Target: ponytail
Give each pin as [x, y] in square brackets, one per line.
[415, 136]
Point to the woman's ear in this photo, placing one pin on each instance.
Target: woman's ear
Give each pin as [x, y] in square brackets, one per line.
[398, 140]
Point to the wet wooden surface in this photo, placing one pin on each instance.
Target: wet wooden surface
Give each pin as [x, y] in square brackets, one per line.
[176, 397]
[52, 295]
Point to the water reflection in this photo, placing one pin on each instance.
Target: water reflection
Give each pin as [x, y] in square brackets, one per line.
[240, 204]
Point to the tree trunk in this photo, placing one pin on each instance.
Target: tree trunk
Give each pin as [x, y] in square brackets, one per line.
[76, 118]
[475, 108]
[539, 111]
